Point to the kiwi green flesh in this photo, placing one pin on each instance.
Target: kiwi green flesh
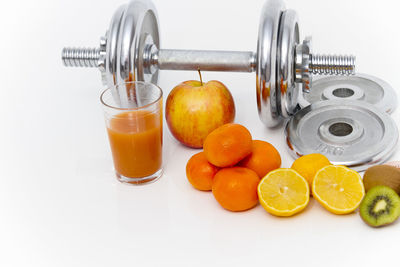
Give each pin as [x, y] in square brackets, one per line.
[380, 206]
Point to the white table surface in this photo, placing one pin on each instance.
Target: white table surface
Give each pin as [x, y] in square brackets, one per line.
[60, 204]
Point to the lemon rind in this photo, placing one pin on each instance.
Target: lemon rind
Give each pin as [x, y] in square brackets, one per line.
[283, 213]
[329, 207]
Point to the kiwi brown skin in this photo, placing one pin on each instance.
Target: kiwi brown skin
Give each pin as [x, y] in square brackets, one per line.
[382, 175]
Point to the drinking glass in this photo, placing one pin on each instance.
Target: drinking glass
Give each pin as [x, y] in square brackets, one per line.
[133, 116]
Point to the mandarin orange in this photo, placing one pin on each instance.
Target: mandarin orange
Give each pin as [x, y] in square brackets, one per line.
[227, 145]
[263, 159]
[235, 188]
[200, 172]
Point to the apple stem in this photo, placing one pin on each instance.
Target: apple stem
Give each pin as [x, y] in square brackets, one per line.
[201, 80]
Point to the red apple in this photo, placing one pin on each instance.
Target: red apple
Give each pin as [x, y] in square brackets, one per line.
[194, 109]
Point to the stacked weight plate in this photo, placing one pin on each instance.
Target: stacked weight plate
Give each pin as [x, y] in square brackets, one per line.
[346, 119]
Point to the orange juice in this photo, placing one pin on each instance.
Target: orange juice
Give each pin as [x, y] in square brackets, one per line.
[136, 142]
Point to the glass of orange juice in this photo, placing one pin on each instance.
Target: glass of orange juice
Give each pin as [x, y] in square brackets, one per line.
[133, 115]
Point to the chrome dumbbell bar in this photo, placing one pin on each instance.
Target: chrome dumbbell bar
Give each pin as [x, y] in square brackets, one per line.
[131, 51]
[209, 60]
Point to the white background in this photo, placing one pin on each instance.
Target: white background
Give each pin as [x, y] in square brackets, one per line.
[60, 204]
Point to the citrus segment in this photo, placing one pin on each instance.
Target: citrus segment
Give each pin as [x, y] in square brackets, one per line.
[283, 192]
[338, 189]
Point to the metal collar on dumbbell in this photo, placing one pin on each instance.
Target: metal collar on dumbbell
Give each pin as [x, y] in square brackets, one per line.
[131, 51]
[351, 133]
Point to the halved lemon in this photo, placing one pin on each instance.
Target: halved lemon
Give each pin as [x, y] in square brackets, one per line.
[283, 192]
[338, 189]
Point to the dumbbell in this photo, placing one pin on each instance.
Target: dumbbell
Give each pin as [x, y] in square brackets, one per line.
[284, 66]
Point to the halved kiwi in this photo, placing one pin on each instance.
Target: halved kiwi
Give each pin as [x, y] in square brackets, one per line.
[380, 206]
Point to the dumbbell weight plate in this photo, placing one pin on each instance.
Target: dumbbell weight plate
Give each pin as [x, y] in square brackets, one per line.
[138, 28]
[287, 89]
[267, 63]
[112, 36]
[362, 87]
[109, 75]
[351, 133]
